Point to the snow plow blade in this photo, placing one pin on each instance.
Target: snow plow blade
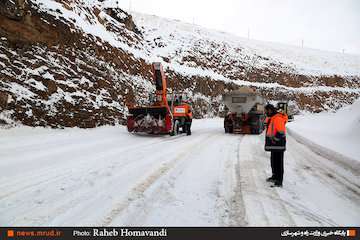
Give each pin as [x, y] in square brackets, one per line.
[152, 120]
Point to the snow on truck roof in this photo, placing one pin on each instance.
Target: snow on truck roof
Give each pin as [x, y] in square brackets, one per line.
[242, 100]
[241, 91]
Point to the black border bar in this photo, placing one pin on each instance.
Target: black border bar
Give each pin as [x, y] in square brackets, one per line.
[177, 233]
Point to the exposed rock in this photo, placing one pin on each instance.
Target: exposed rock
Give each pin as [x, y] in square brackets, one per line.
[123, 17]
[51, 86]
[13, 9]
[4, 97]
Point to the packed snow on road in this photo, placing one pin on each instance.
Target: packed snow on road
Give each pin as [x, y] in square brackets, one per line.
[107, 176]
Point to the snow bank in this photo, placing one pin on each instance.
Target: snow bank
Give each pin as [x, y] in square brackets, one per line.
[339, 132]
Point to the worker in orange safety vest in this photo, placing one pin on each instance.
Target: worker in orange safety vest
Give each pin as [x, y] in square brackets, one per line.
[275, 142]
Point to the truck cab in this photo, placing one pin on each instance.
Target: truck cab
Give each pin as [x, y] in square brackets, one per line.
[283, 107]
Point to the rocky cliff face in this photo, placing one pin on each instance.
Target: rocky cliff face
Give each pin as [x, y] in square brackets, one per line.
[60, 77]
[81, 63]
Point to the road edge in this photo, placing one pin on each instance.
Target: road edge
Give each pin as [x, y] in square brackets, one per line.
[327, 153]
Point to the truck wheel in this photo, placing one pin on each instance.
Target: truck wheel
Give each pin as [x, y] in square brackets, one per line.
[226, 130]
[231, 129]
[188, 129]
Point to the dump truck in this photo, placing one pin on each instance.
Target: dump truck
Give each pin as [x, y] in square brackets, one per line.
[244, 112]
[166, 113]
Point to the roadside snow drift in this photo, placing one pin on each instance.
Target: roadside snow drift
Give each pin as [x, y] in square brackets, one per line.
[339, 131]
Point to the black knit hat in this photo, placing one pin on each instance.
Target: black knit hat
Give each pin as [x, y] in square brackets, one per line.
[270, 107]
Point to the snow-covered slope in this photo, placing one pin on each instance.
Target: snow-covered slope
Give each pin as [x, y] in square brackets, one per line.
[178, 39]
[167, 38]
[339, 132]
[80, 63]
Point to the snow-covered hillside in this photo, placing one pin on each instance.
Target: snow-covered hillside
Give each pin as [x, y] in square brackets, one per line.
[166, 38]
[178, 40]
[81, 63]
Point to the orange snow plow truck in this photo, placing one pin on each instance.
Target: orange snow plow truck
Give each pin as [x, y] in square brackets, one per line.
[166, 114]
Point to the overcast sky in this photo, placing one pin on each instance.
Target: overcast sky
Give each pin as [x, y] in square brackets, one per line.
[324, 24]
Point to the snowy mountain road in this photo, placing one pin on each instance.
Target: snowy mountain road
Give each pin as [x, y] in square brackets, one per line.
[106, 176]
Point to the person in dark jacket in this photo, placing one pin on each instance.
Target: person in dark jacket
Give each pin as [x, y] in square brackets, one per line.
[275, 142]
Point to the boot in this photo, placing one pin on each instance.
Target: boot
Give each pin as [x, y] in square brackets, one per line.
[270, 179]
[277, 184]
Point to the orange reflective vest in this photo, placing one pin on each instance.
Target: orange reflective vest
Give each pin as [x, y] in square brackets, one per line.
[286, 118]
[276, 125]
[276, 133]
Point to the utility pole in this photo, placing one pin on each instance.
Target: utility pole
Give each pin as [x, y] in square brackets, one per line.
[248, 33]
[302, 43]
[343, 51]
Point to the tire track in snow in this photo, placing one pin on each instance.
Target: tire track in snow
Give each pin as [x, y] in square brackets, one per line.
[66, 170]
[257, 187]
[137, 192]
[229, 197]
[157, 183]
[227, 188]
[325, 172]
[237, 205]
[162, 194]
[256, 191]
[52, 177]
[334, 180]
